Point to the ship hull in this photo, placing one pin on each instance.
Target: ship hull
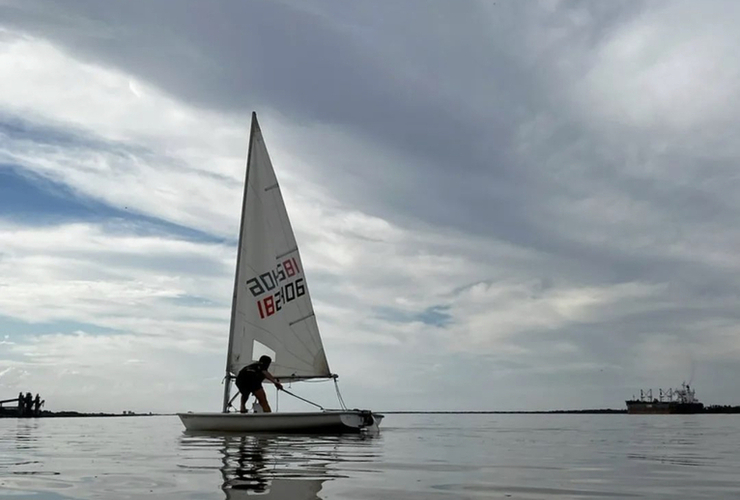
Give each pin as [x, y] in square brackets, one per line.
[663, 408]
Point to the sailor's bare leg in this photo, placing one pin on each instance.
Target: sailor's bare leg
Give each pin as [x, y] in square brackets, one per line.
[262, 399]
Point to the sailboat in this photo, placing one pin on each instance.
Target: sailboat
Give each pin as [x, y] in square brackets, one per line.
[272, 314]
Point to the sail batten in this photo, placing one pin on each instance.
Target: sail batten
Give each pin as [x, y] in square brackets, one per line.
[271, 293]
[292, 250]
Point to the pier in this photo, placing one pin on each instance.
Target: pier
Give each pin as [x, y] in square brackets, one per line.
[24, 406]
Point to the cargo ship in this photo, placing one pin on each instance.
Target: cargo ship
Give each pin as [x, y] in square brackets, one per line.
[681, 401]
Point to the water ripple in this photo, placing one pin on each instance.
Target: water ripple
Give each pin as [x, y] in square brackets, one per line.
[440, 457]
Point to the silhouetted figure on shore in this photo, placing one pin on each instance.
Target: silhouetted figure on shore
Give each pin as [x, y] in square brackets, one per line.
[37, 405]
[20, 404]
[28, 404]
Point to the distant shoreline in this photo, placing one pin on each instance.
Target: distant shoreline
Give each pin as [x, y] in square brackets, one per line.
[715, 409]
[499, 412]
[74, 414]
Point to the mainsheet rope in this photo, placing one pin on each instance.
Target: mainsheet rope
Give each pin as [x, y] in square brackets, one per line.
[303, 399]
[336, 387]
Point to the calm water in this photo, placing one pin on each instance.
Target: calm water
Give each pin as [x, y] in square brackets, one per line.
[415, 457]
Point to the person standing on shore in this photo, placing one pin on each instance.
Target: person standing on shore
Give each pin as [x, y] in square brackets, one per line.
[28, 404]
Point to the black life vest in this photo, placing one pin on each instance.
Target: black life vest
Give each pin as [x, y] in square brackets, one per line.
[255, 370]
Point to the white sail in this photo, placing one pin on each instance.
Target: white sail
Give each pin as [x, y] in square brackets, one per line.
[271, 311]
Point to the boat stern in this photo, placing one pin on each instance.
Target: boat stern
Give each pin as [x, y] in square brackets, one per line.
[363, 420]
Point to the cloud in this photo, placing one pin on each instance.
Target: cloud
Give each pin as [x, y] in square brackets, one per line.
[92, 134]
[537, 197]
[671, 69]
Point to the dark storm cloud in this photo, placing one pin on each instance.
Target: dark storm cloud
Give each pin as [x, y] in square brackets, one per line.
[447, 85]
[35, 199]
[488, 117]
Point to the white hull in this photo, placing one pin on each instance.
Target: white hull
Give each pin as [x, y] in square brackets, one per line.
[329, 421]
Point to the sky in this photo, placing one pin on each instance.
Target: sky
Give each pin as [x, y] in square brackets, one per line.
[500, 205]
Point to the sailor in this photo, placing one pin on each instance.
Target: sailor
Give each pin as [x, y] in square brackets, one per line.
[249, 381]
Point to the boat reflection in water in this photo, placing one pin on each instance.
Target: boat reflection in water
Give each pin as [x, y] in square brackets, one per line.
[293, 467]
[246, 471]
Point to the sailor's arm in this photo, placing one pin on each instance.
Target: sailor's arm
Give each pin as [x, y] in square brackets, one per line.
[272, 379]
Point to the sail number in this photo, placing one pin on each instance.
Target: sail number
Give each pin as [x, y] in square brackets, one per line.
[287, 293]
[267, 282]
[274, 281]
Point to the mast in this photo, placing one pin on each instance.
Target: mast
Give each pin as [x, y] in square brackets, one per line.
[228, 377]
